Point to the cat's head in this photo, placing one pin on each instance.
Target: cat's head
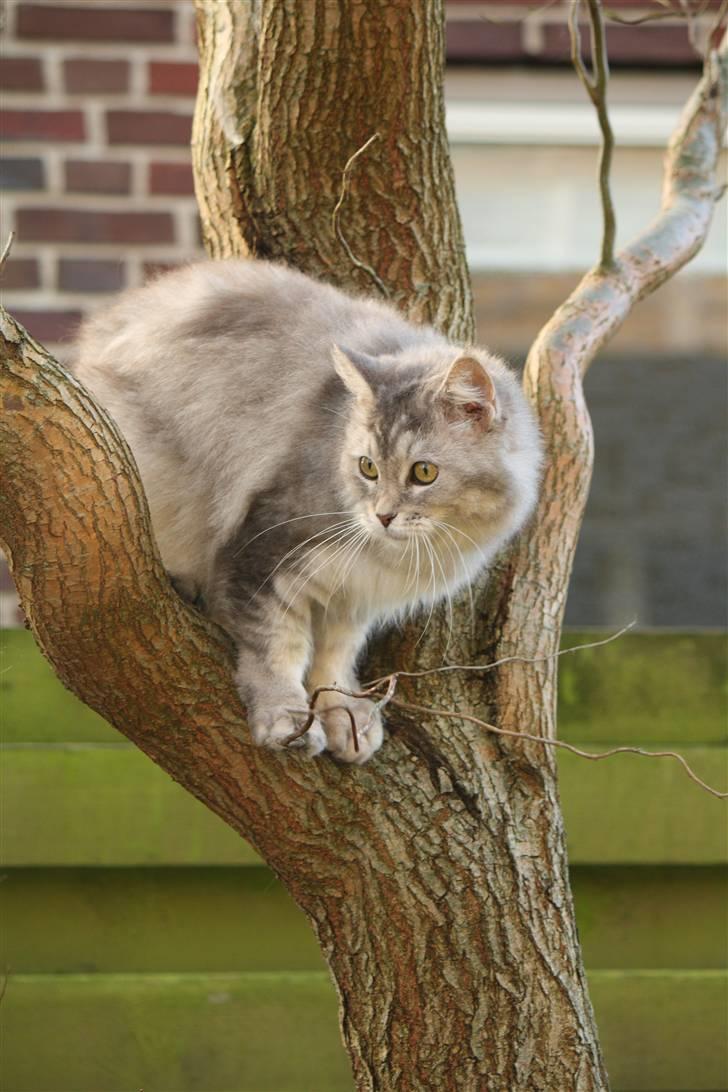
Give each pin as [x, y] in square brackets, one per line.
[437, 438]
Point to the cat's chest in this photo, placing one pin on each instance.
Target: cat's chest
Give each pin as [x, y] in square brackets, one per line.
[379, 586]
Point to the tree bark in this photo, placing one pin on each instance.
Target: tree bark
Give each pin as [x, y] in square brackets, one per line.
[435, 876]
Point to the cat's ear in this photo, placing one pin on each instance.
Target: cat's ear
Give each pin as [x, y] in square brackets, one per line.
[355, 372]
[468, 393]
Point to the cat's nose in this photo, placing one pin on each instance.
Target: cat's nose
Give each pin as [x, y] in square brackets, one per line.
[386, 518]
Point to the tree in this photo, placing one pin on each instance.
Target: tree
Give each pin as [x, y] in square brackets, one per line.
[435, 877]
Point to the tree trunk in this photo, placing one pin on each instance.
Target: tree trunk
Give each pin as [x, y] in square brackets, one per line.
[435, 876]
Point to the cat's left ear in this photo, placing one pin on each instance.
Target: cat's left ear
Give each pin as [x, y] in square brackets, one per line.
[468, 393]
[355, 370]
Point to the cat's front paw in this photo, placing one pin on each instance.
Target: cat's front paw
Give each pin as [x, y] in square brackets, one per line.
[276, 727]
[339, 735]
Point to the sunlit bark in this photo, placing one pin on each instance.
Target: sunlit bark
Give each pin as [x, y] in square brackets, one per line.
[435, 877]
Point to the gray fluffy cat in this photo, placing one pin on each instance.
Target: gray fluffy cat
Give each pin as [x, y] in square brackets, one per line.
[314, 464]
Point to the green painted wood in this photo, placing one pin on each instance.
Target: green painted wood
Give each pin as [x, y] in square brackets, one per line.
[662, 1032]
[152, 920]
[652, 917]
[242, 919]
[633, 810]
[663, 1029]
[94, 804]
[34, 705]
[118, 1033]
[645, 686]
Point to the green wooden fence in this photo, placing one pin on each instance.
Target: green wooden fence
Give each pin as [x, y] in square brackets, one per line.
[146, 947]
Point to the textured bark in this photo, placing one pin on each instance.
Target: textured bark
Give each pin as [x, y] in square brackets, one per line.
[288, 92]
[435, 876]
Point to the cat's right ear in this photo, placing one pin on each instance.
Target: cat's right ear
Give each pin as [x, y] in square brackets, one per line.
[352, 369]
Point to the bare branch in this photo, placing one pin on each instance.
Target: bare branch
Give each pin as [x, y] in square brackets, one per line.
[592, 755]
[6, 250]
[601, 302]
[596, 89]
[336, 217]
[371, 690]
[577, 58]
[650, 17]
[375, 683]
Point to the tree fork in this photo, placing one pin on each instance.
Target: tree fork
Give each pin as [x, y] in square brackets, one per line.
[435, 877]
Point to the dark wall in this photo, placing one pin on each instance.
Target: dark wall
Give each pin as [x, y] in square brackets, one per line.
[655, 539]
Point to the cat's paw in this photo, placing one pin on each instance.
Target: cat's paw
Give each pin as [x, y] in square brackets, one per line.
[339, 735]
[279, 724]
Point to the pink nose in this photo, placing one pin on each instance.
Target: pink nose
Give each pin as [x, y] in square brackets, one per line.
[386, 519]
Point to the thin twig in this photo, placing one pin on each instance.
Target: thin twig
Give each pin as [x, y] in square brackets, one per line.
[336, 217]
[6, 250]
[596, 89]
[369, 690]
[651, 17]
[376, 683]
[594, 756]
[577, 58]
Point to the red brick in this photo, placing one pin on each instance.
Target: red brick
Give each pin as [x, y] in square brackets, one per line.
[171, 178]
[644, 45]
[21, 174]
[90, 23]
[147, 127]
[20, 273]
[54, 225]
[650, 44]
[172, 78]
[90, 275]
[50, 325]
[6, 581]
[97, 176]
[21, 74]
[155, 269]
[479, 40]
[81, 75]
[42, 125]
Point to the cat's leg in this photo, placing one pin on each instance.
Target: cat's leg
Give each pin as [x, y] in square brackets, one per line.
[336, 644]
[274, 648]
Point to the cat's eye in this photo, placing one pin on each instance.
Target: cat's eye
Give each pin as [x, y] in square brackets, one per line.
[368, 468]
[424, 473]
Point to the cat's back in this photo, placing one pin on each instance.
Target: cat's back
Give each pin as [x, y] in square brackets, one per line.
[211, 308]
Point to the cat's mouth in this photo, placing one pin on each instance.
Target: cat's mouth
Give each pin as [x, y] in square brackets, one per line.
[398, 533]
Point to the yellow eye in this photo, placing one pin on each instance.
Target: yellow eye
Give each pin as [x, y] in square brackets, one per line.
[368, 468]
[424, 473]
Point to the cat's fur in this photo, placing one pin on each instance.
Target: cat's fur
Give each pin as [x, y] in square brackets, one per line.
[248, 393]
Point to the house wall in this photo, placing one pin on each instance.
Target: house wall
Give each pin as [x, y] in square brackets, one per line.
[97, 101]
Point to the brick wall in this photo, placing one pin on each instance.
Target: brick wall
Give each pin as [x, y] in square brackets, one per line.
[528, 32]
[97, 102]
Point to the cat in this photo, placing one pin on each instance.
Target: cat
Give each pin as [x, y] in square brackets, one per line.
[315, 465]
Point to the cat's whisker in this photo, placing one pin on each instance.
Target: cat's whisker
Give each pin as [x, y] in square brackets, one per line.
[294, 519]
[304, 564]
[447, 595]
[290, 553]
[440, 525]
[430, 588]
[478, 549]
[409, 552]
[337, 531]
[339, 546]
[311, 555]
[345, 567]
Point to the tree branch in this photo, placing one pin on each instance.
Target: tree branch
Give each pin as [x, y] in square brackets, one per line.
[525, 587]
[596, 88]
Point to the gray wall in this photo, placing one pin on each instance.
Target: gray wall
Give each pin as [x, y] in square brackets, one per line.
[654, 543]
